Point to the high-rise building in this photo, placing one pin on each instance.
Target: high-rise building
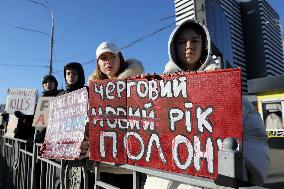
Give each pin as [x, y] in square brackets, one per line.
[245, 33]
[263, 39]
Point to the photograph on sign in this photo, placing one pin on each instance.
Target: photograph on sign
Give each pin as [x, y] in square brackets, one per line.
[66, 125]
[176, 123]
[23, 100]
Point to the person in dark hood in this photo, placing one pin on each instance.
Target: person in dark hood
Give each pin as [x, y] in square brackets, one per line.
[189, 50]
[74, 77]
[49, 85]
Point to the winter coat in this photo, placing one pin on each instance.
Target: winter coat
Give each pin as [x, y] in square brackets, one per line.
[24, 129]
[134, 67]
[255, 148]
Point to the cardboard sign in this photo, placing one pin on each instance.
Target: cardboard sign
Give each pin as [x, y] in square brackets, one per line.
[41, 113]
[175, 124]
[66, 125]
[23, 100]
[12, 125]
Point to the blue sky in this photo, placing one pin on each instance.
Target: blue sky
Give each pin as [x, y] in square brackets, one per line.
[80, 26]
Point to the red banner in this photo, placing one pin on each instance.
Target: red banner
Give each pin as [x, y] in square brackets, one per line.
[173, 123]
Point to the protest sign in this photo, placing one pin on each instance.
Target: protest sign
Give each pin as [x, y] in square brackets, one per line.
[176, 123]
[41, 113]
[12, 125]
[66, 125]
[23, 100]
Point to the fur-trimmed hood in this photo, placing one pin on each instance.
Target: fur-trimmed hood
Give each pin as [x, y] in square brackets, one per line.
[172, 65]
[134, 67]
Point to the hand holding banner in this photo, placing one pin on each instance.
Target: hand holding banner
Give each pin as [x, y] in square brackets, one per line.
[175, 124]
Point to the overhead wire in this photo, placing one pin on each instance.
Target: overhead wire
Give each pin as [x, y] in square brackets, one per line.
[23, 58]
[23, 65]
[131, 43]
[32, 30]
[143, 26]
[118, 38]
[126, 34]
[84, 63]
[60, 36]
[146, 36]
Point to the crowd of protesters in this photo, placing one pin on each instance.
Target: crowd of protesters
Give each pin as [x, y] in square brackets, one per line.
[189, 48]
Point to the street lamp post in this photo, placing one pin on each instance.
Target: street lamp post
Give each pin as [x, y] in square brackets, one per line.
[51, 43]
[48, 8]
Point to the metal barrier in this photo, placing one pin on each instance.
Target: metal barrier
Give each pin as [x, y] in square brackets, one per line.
[21, 168]
[16, 161]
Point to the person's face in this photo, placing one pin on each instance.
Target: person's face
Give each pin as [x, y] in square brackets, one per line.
[71, 77]
[109, 64]
[188, 48]
[49, 85]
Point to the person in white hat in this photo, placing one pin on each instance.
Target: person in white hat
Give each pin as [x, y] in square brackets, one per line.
[112, 65]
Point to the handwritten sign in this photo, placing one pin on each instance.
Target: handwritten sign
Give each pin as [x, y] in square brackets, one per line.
[12, 125]
[41, 113]
[174, 124]
[23, 100]
[66, 125]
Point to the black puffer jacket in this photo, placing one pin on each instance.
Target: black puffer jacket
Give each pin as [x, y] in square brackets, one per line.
[24, 128]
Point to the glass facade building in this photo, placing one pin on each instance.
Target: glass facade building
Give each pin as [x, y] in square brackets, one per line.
[245, 33]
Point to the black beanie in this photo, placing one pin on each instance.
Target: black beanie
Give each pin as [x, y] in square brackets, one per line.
[50, 77]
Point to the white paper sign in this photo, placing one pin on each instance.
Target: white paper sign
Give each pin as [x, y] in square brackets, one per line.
[23, 100]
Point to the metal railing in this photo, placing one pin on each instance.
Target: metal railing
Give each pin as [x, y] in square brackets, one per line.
[21, 167]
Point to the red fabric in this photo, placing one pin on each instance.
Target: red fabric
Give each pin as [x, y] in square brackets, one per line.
[219, 90]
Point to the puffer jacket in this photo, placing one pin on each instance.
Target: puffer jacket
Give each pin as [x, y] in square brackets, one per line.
[134, 68]
[255, 148]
